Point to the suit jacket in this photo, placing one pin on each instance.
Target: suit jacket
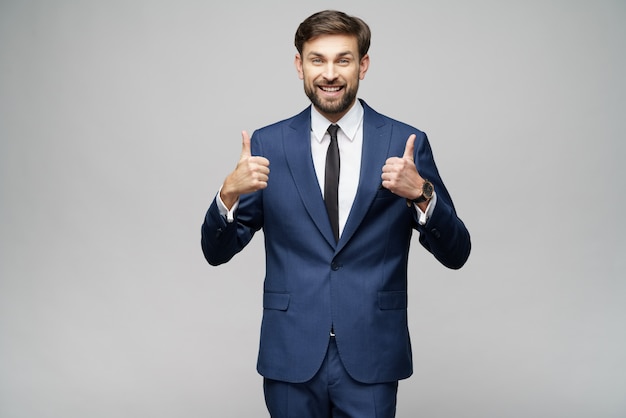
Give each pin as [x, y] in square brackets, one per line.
[357, 285]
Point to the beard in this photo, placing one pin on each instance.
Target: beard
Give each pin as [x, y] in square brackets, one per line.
[335, 106]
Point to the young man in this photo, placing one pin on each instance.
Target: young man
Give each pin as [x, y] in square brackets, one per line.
[338, 221]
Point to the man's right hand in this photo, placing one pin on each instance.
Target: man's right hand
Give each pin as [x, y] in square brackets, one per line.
[250, 175]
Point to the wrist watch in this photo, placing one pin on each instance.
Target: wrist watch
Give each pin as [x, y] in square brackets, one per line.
[427, 192]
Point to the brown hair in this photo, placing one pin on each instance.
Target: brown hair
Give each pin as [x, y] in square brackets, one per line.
[332, 22]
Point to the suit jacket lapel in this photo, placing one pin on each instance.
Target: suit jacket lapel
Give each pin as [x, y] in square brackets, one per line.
[376, 141]
[297, 145]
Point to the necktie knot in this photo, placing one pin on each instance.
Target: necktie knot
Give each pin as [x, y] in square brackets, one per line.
[332, 130]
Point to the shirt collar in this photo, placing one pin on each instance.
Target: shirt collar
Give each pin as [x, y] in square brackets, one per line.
[349, 123]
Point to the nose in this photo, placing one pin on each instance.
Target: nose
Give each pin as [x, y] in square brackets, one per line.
[329, 72]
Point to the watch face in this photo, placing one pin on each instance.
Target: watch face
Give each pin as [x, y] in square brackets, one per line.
[427, 189]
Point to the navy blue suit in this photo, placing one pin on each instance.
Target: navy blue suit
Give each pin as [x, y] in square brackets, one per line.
[357, 285]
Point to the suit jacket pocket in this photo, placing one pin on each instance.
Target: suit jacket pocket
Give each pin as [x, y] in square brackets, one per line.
[389, 300]
[277, 301]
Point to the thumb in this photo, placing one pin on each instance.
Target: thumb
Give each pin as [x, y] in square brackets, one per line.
[245, 145]
[409, 149]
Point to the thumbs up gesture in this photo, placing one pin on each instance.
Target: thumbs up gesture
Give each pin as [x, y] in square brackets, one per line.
[400, 175]
[250, 175]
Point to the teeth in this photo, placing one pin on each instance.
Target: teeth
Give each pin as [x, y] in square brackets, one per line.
[331, 89]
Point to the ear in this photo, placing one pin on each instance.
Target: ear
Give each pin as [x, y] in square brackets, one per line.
[364, 64]
[298, 64]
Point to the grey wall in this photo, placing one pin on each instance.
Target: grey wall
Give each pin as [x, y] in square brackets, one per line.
[120, 119]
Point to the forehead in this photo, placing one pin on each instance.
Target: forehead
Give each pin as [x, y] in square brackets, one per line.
[330, 45]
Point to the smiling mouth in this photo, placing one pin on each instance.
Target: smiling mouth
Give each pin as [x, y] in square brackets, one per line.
[330, 89]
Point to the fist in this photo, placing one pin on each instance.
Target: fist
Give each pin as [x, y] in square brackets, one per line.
[399, 174]
[250, 175]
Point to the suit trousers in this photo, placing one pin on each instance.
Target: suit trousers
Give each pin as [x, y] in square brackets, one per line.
[331, 393]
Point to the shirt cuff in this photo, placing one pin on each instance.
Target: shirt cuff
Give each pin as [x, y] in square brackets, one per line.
[424, 216]
[224, 211]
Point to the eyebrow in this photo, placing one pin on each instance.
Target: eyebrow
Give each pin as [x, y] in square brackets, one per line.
[339, 55]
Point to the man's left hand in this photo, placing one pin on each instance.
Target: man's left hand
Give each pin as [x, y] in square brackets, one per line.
[400, 175]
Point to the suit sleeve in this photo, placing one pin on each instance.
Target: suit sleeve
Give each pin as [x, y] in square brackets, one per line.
[444, 235]
[221, 239]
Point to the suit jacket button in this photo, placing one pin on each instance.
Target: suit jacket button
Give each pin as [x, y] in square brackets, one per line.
[435, 233]
[335, 265]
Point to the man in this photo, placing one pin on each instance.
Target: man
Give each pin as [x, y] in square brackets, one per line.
[334, 336]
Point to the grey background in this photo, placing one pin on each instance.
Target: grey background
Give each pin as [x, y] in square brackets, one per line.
[120, 119]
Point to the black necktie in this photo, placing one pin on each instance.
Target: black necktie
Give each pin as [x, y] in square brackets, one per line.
[331, 180]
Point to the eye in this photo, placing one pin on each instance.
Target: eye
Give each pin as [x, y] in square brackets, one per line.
[343, 61]
[316, 60]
